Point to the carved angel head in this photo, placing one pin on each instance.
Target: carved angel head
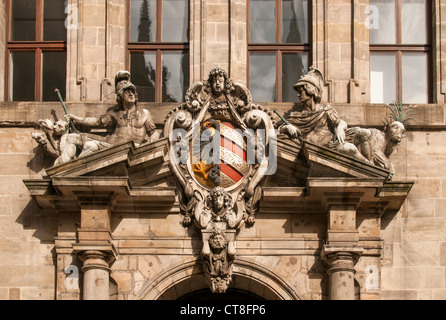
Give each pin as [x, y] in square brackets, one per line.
[219, 81]
[218, 199]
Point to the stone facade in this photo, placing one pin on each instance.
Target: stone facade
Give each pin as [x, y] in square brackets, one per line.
[141, 249]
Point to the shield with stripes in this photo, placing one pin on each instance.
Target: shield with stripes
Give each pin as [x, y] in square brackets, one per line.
[219, 154]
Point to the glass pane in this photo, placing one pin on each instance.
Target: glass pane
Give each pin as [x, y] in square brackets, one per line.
[175, 21]
[54, 70]
[382, 22]
[414, 71]
[295, 21]
[413, 21]
[294, 65]
[263, 21]
[23, 20]
[262, 76]
[143, 21]
[22, 80]
[54, 20]
[382, 77]
[142, 70]
[175, 77]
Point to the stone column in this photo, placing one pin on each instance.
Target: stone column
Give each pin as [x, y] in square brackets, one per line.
[96, 275]
[342, 250]
[95, 247]
[341, 274]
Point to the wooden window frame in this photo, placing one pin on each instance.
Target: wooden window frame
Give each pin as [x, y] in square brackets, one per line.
[38, 46]
[399, 48]
[279, 47]
[158, 46]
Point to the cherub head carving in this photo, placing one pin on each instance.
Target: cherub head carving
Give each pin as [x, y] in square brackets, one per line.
[219, 81]
[218, 200]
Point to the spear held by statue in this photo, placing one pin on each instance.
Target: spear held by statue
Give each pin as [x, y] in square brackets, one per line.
[73, 128]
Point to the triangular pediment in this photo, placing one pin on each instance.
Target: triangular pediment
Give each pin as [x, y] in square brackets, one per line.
[148, 165]
[296, 162]
[142, 174]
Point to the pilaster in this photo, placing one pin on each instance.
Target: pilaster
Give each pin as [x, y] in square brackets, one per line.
[95, 249]
[342, 249]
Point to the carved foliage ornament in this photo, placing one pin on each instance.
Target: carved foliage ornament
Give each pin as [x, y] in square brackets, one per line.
[221, 147]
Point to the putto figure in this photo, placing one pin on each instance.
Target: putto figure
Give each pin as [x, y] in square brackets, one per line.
[51, 137]
[218, 207]
[129, 123]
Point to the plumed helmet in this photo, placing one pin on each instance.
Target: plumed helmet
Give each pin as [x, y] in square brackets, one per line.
[313, 77]
[313, 82]
[122, 82]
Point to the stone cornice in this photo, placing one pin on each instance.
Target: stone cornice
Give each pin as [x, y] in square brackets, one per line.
[26, 114]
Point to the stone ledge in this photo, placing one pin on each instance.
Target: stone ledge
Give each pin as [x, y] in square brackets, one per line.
[26, 114]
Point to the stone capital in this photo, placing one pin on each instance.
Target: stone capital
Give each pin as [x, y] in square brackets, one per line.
[341, 258]
[96, 257]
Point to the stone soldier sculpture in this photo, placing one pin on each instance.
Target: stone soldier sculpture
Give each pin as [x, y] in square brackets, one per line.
[316, 123]
[129, 122]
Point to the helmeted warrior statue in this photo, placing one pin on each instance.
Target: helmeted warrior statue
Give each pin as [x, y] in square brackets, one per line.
[321, 125]
[126, 119]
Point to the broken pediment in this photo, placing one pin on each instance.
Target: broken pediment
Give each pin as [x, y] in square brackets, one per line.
[144, 172]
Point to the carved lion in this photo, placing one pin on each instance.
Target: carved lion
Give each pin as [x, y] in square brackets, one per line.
[377, 146]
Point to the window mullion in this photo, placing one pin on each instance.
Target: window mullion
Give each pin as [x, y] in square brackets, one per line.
[278, 21]
[399, 63]
[278, 75]
[159, 20]
[398, 22]
[39, 21]
[38, 74]
[158, 76]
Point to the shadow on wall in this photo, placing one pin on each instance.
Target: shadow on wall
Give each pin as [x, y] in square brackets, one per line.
[33, 217]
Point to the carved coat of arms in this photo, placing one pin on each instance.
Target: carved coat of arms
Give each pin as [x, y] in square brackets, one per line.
[221, 146]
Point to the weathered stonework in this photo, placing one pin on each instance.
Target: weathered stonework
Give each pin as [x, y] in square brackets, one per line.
[396, 250]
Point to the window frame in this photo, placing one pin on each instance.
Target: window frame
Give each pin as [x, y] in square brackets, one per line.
[38, 46]
[279, 48]
[158, 46]
[399, 48]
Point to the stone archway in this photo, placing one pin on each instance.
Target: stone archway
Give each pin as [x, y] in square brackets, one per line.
[250, 280]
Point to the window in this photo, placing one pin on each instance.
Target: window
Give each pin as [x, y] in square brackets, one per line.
[400, 51]
[158, 49]
[278, 47]
[36, 50]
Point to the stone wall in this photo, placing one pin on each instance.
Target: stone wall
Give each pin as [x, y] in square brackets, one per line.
[26, 233]
[410, 262]
[413, 239]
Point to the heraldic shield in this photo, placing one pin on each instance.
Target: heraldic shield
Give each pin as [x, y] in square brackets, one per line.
[221, 146]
